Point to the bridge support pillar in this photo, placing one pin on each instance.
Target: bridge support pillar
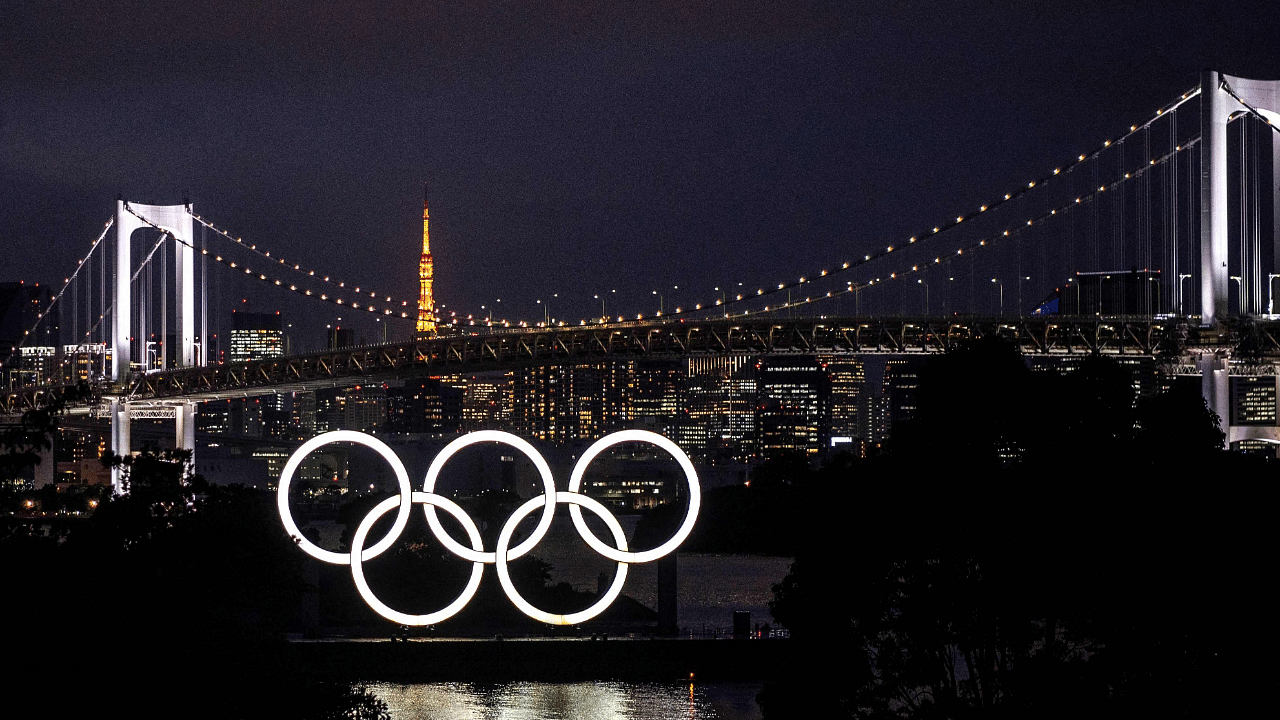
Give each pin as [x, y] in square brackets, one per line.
[1217, 107]
[185, 429]
[120, 442]
[1215, 386]
[1214, 113]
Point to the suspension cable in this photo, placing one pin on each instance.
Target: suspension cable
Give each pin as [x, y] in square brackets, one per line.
[966, 253]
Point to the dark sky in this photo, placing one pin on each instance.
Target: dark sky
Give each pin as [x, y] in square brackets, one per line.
[572, 147]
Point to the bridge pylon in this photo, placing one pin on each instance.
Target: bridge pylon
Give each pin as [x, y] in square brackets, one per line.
[176, 220]
[1222, 97]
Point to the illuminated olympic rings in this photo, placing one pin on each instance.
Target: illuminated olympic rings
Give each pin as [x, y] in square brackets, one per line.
[476, 554]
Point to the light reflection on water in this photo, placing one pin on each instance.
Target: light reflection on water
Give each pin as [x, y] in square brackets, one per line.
[711, 587]
[572, 701]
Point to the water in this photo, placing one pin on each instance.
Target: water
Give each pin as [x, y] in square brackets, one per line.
[574, 701]
[711, 586]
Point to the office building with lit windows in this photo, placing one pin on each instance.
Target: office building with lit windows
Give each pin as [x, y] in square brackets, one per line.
[1253, 400]
[255, 336]
[792, 406]
[848, 376]
[559, 403]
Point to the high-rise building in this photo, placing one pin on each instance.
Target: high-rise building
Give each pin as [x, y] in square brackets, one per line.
[540, 396]
[559, 403]
[302, 414]
[365, 408]
[426, 326]
[425, 405]
[1253, 400]
[601, 396]
[718, 413]
[255, 336]
[655, 404]
[848, 376]
[483, 403]
[899, 384]
[1145, 380]
[873, 419]
[338, 338]
[792, 410]
[21, 304]
[239, 416]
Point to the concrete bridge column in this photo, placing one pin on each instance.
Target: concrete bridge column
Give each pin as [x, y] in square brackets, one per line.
[1215, 386]
[120, 443]
[185, 429]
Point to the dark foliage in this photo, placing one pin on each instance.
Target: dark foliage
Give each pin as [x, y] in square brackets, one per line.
[21, 443]
[1030, 545]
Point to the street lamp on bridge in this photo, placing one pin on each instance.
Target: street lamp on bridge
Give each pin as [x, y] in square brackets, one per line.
[1000, 287]
[604, 315]
[546, 311]
[921, 282]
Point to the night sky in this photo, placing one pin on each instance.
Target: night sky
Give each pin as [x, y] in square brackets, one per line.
[571, 147]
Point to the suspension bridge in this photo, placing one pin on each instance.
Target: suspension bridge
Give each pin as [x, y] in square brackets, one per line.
[1159, 242]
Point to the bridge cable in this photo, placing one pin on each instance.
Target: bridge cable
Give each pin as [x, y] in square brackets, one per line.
[985, 243]
[40, 316]
[936, 231]
[276, 259]
[262, 277]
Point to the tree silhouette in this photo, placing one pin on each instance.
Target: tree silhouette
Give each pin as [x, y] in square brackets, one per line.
[1024, 546]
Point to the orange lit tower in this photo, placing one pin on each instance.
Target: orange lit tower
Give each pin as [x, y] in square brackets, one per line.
[426, 303]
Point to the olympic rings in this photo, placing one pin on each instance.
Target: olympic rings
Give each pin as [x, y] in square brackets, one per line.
[502, 554]
[282, 495]
[505, 579]
[695, 496]
[357, 569]
[548, 487]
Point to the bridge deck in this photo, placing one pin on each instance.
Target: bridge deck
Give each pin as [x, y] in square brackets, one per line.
[492, 349]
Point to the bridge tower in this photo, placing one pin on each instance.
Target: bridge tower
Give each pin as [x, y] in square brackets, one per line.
[1222, 97]
[176, 220]
[1218, 105]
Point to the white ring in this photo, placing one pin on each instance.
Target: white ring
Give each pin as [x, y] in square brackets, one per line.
[502, 554]
[574, 500]
[282, 495]
[357, 565]
[695, 496]
[506, 438]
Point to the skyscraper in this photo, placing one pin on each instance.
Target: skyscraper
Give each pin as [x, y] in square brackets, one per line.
[255, 336]
[426, 326]
[898, 385]
[792, 409]
[848, 375]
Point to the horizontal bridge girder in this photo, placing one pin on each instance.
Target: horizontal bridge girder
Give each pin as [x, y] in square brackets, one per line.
[496, 349]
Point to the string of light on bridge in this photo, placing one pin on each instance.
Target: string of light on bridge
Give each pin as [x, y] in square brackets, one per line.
[990, 241]
[1252, 110]
[912, 241]
[274, 281]
[984, 243]
[298, 268]
[65, 284]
